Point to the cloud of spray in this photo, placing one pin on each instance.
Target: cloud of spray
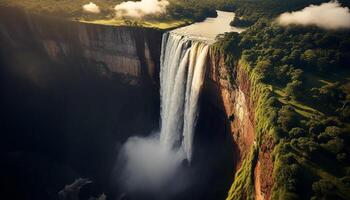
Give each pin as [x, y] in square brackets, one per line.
[327, 16]
[138, 9]
[91, 8]
[145, 165]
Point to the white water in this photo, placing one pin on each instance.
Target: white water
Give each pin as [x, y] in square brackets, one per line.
[183, 65]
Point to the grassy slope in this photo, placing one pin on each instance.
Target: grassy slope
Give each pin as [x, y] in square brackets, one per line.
[73, 11]
[179, 12]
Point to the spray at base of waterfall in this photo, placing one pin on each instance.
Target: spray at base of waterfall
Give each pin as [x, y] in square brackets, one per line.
[144, 165]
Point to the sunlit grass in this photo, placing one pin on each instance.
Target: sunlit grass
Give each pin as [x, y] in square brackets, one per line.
[166, 24]
[300, 107]
[73, 10]
[159, 24]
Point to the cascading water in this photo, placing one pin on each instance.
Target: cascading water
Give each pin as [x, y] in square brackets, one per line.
[150, 164]
[183, 65]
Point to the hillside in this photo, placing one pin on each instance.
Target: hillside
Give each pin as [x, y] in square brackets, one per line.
[306, 75]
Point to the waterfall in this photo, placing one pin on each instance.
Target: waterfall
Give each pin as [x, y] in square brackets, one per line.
[183, 65]
[154, 163]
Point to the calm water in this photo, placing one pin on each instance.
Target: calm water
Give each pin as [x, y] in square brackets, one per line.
[210, 28]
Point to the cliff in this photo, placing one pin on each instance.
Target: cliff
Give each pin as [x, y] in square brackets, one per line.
[231, 88]
[70, 94]
[132, 52]
[233, 100]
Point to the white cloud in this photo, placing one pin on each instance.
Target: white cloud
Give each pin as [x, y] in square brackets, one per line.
[91, 8]
[327, 16]
[141, 8]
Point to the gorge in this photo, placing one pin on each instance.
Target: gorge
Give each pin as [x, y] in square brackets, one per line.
[114, 75]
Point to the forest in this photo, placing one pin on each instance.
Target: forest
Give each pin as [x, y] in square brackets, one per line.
[249, 11]
[307, 71]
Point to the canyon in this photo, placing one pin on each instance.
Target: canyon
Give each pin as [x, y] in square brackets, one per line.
[113, 72]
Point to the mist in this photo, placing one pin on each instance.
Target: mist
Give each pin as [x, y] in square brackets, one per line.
[145, 165]
[327, 16]
[138, 9]
[91, 8]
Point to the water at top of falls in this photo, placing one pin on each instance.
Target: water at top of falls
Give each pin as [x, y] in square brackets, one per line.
[211, 27]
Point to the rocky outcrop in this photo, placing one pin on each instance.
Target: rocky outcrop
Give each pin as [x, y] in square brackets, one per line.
[132, 52]
[230, 90]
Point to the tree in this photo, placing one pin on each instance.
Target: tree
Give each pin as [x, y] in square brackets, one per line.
[309, 56]
[281, 74]
[330, 132]
[305, 145]
[228, 43]
[324, 189]
[334, 146]
[294, 89]
[332, 94]
[287, 118]
[297, 132]
[264, 69]
[296, 74]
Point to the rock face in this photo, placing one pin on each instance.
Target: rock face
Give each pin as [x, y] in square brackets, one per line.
[230, 95]
[229, 89]
[71, 94]
[129, 51]
[133, 54]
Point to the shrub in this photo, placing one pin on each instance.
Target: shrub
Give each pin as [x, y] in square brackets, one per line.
[324, 189]
[297, 132]
[287, 118]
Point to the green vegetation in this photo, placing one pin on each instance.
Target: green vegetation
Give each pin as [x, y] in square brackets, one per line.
[64, 8]
[249, 11]
[244, 179]
[179, 12]
[300, 78]
[151, 23]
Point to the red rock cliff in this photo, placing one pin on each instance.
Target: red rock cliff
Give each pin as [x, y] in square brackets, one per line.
[230, 90]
